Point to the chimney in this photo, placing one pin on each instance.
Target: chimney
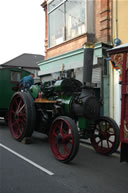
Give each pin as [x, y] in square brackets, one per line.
[88, 65]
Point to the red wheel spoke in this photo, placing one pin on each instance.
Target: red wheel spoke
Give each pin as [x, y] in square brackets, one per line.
[64, 141]
[101, 143]
[18, 115]
[110, 141]
[21, 108]
[22, 122]
[66, 150]
[98, 142]
[108, 136]
[17, 131]
[14, 123]
[67, 136]
[12, 112]
[112, 134]
[22, 114]
[54, 133]
[18, 106]
[61, 128]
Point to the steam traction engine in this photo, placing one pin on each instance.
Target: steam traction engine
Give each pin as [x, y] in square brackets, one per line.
[66, 110]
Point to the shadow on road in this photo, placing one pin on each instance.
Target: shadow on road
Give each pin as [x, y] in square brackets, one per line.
[3, 124]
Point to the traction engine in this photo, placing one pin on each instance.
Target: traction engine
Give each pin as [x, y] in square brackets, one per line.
[67, 111]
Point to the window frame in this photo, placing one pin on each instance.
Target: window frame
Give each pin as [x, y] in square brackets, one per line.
[65, 38]
[12, 80]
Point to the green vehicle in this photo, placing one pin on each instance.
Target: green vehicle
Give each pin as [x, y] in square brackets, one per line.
[9, 77]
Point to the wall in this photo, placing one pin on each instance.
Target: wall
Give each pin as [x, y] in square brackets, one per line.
[67, 46]
[120, 15]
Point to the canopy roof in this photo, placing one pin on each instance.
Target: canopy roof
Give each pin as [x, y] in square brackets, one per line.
[118, 49]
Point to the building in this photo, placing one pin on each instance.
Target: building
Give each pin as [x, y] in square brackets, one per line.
[69, 25]
[27, 62]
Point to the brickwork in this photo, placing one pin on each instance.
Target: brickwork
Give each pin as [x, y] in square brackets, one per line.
[67, 46]
[97, 9]
[105, 21]
[102, 25]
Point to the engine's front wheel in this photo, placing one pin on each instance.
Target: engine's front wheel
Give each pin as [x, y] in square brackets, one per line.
[106, 136]
[64, 139]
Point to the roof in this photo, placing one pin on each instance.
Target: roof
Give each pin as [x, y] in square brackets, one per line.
[118, 49]
[25, 61]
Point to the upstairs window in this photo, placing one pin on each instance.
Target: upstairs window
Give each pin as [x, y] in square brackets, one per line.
[75, 18]
[67, 19]
[56, 26]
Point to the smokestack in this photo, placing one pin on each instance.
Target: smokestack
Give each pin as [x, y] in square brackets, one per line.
[88, 65]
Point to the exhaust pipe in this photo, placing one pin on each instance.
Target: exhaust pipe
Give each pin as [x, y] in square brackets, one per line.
[88, 65]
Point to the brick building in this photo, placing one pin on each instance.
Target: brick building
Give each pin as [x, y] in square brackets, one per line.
[69, 25]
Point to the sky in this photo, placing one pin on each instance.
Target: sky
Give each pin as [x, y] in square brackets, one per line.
[21, 28]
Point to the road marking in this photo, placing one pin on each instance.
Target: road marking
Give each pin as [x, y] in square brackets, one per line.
[27, 160]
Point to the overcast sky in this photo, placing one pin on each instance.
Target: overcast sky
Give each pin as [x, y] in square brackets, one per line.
[21, 28]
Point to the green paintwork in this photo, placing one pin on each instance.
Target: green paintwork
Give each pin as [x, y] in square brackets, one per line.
[6, 85]
[66, 100]
[57, 85]
[34, 90]
[69, 60]
[82, 123]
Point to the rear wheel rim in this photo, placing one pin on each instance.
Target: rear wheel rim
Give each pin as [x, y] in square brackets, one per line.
[104, 137]
[17, 117]
[61, 139]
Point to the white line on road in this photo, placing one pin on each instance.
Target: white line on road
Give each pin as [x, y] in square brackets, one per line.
[27, 160]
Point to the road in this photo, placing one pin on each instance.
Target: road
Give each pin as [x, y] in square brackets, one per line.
[32, 168]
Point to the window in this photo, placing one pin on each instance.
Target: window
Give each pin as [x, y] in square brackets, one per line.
[56, 25]
[75, 18]
[15, 76]
[66, 19]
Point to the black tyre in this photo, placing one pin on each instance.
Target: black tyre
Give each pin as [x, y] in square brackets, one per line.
[33, 112]
[106, 136]
[64, 139]
[20, 116]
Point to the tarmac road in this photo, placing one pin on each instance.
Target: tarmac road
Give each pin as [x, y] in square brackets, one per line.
[32, 168]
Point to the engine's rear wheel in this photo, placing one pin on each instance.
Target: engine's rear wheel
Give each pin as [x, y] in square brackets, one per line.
[33, 112]
[64, 139]
[20, 116]
[106, 136]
